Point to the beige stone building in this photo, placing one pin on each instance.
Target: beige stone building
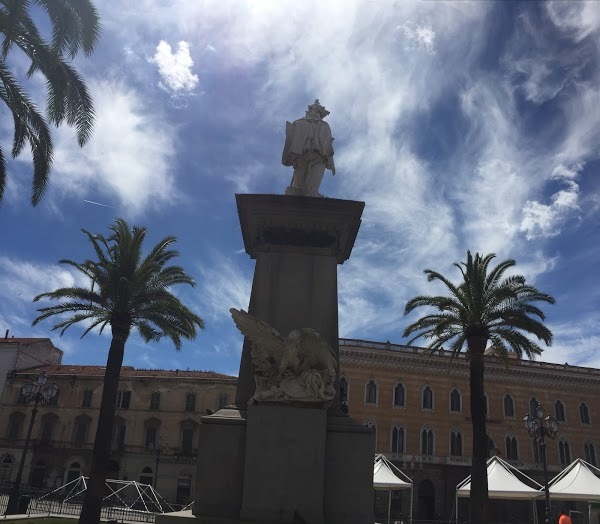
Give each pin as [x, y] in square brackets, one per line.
[151, 403]
[419, 408]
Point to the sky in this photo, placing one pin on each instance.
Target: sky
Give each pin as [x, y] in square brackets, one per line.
[461, 125]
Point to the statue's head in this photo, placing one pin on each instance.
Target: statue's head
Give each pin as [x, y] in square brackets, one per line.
[316, 110]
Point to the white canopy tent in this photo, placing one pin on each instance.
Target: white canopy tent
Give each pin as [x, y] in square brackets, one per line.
[578, 481]
[504, 482]
[386, 476]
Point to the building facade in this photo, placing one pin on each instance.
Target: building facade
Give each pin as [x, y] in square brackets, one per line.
[151, 403]
[418, 406]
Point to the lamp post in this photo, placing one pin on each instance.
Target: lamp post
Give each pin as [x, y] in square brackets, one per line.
[157, 448]
[538, 428]
[412, 467]
[36, 391]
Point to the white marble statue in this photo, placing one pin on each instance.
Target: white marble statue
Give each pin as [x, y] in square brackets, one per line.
[309, 149]
[299, 368]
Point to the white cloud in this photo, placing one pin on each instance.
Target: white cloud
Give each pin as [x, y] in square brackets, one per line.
[578, 19]
[422, 36]
[175, 68]
[128, 160]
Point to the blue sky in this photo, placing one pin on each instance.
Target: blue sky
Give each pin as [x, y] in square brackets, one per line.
[462, 125]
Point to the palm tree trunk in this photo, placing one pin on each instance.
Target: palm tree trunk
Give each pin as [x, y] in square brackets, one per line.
[92, 503]
[479, 481]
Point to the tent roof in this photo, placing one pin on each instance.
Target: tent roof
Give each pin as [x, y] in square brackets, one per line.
[503, 482]
[384, 476]
[576, 482]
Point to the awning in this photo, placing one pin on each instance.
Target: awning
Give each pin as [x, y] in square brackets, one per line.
[387, 476]
[578, 481]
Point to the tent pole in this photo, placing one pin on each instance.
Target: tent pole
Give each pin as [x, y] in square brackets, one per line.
[411, 500]
[389, 505]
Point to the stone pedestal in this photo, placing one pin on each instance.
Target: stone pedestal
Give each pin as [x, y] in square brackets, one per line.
[281, 463]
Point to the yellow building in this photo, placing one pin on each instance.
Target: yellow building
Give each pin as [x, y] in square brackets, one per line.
[151, 403]
[419, 408]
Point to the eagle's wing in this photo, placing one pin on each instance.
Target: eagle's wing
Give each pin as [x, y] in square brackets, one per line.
[317, 353]
[267, 343]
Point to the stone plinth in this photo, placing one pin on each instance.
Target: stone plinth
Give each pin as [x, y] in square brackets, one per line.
[297, 243]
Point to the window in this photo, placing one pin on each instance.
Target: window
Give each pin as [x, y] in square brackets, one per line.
[54, 400]
[123, 399]
[456, 442]
[118, 436]
[509, 406]
[187, 439]
[73, 472]
[399, 395]
[397, 439]
[533, 404]
[184, 489]
[564, 453]
[7, 461]
[590, 453]
[537, 452]
[427, 441]
[559, 411]
[49, 422]
[455, 401]
[427, 401]
[86, 401]
[15, 424]
[584, 413]
[190, 402]
[21, 399]
[371, 392]
[512, 451]
[146, 476]
[80, 430]
[343, 390]
[491, 447]
[155, 401]
[151, 435]
[223, 400]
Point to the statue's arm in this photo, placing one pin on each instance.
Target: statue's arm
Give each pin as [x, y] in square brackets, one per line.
[286, 157]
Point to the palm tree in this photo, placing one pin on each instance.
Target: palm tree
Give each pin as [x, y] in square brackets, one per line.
[75, 26]
[484, 308]
[126, 291]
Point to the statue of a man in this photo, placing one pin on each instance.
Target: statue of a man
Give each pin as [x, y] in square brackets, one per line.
[309, 149]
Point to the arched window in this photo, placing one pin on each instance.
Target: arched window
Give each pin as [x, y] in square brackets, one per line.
[584, 413]
[80, 430]
[343, 390]
[512, 450]
[190, 402]
[146, 476]
[589, 452]
[188, 428]
[54, 400]
[118, 435]
[49, 422]
[427, 398]
[509, 406]
[155, 400]
[533, 404]
[456, 443]
[184, 487]
[397, 439]
[491, 447]
[427, 447]
[86, 401]
[371, 392]
[564, 452]
[223, 400]
[15, 424]
[455, 401]
[73, 472]
[7, 461]
[151, 431]
[399, 394]
[559, 411]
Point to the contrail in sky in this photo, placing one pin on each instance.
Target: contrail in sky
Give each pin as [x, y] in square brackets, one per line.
[96, 203]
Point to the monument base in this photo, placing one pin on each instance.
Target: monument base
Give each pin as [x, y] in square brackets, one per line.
[281, 464]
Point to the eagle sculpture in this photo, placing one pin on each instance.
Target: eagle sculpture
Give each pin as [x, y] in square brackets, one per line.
[299, 368]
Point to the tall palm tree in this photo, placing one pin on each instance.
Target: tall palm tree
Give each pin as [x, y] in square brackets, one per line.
[484, 308]
[75, 26]
[126, 292]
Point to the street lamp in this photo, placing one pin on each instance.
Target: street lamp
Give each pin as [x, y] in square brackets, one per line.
[157, 448]
[412, 467]
[37, 392]
[537, 431]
